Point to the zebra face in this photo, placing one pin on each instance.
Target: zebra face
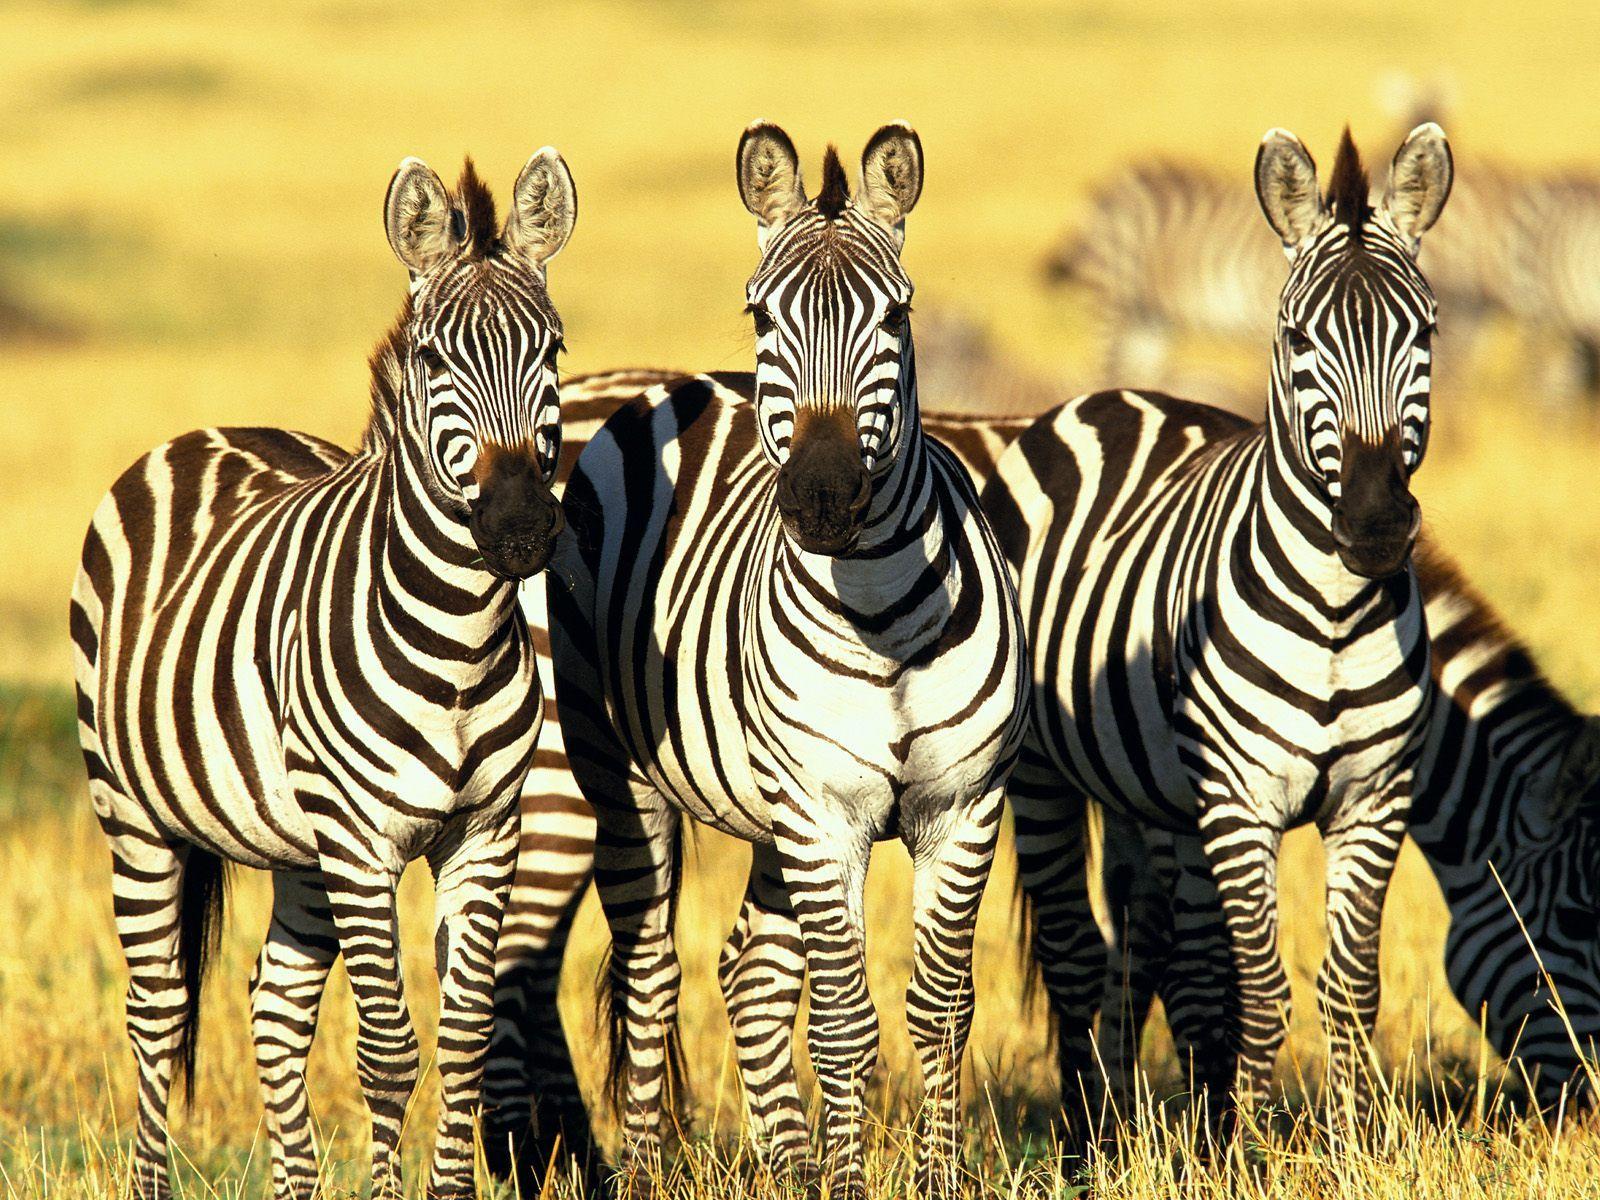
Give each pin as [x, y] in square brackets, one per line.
[831, 304]
[1352, 363]
[483, 337]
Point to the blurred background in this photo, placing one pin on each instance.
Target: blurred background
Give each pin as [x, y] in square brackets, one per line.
[191, 235]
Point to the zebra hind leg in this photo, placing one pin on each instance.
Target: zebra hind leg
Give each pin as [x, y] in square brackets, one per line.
[950, 875]
[472, 881]
[147, 897]
[285, 994]
[533, 1107]
[1065, 940]
[761, 970]
[1360, 862]
[636, 873]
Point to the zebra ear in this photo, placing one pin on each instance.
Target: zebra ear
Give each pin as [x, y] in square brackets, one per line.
[544, 208]
[1419, 182]
[891, 175]
[769, 178]
[1580, 768]
[1286, 186]
[418, 218]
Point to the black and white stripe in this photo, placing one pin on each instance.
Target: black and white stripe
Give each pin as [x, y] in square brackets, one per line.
[313, 662]
[773, 586]
[1225, 632]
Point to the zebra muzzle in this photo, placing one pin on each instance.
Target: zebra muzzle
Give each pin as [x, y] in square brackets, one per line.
[516, 518]
[824, 488]
[1376, 519]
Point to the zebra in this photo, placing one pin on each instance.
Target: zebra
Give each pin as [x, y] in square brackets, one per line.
[1506, 811]
[771, 587]
[1225, 632]
[310, 661]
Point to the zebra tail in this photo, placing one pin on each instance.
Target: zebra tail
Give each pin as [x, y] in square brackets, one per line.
[201, 908]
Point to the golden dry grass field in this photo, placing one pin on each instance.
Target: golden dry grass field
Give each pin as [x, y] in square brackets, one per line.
[191, 195]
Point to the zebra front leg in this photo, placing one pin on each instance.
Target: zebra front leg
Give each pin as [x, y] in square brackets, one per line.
[285, 994]
[761, 972]
[825, 869]
[636, 873]
[361, 896]
[532, 1102]
[1067, 944]
[952, 861]
[1243, 857]
[1360, 863]
[472, 873]
[146, 892]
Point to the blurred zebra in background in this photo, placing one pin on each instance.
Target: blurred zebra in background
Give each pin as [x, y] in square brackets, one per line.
[1506, 811]
[312, 662]
[1171, 249]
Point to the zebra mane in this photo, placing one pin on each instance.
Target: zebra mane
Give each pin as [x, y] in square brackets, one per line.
[1348, 189]
[835, 193]
[388, 363]
[1511, 663]
[477, 223]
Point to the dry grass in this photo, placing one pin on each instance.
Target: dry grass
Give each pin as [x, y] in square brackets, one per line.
[196, 194]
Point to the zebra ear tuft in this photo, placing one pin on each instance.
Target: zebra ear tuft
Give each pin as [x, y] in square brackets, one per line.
[418, 218]
[1580, 768]
[1286, 186]
[1419, 182]
[544, 208]
[891, 175]
[769, 178]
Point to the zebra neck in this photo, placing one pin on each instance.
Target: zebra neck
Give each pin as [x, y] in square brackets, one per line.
[427, 561]
[903, 556]
[1289, 525]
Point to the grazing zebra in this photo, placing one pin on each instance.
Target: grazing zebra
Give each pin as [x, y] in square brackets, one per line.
[1506, 810]
[313, 662]
[781, 613]
[1225, 631]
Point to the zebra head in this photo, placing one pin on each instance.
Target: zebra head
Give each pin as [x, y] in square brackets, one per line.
[835, 386]
[481, 339]
[1352, 357]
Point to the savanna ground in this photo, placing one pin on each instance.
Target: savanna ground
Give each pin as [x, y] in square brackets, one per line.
[189, 224]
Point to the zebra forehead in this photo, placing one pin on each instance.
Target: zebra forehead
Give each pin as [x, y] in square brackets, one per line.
[814, 251]
[487, 295]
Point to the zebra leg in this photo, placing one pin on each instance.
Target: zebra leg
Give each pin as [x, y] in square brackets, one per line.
[636, 871]
[285, 994]
[472, 875]
[1360, 862]
[533, 1106]
[1195, 979]
[825, 870]
[361, 896]
[146, 890]
[1067, 945]
[761, 972]
[952, 866]
[1138, 906]
[1244, 863]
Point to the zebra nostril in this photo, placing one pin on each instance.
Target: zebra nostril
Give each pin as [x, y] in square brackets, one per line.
[863, 494]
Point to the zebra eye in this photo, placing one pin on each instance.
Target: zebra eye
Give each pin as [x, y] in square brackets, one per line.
[432, 361]
[556, 348]
[896, 319]
[761, 317]
[1299, 343]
